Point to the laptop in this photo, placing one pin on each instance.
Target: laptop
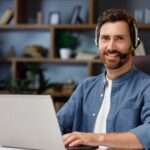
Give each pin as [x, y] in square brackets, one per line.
[30, 122]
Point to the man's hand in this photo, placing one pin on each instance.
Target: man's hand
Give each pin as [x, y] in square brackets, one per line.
[79, 138]
[126, 140]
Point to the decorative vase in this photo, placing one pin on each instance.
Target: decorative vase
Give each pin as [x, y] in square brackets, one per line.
[65, 53]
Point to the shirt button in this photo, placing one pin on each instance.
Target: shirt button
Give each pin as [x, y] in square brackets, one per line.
[94, 114]
[101, 95]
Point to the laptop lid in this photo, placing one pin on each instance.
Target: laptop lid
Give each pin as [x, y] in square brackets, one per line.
[30, 122]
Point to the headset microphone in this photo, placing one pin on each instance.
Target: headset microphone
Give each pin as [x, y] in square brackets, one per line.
[125, 55]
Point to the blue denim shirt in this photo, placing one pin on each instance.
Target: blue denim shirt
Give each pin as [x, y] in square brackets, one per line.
[129, 110]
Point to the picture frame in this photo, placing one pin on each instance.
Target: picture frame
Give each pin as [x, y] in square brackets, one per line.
[54, 17]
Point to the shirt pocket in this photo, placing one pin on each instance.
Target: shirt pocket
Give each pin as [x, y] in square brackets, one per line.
[127, 119]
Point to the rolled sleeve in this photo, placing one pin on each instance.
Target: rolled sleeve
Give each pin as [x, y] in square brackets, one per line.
[143, 134]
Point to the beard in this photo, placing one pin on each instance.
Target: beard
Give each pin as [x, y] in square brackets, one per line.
[115, 62]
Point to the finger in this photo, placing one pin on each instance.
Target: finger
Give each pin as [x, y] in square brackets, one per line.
[70, 139]
[65, 136]
[76, 142]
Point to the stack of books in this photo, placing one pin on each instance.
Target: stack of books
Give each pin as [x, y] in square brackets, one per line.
[86, 55]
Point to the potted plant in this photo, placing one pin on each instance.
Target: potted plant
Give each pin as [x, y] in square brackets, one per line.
[33, 81]
[67, 41]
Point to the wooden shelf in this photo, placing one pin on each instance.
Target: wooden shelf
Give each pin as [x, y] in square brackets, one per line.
[45, 26]
[76, 26]
[53, 60]
[61, 26]
[25, 26]
[59, 94]
[143, 26]
[53, 94]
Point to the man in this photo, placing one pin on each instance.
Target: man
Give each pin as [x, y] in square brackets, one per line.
[112, 109]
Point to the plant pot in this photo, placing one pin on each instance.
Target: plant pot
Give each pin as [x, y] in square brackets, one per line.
[65, 53]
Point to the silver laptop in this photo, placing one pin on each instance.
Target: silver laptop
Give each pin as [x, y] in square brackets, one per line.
[29, 121]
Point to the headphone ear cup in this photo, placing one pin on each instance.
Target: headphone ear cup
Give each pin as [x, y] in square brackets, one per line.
[137, 39]
[138, 42]
[96, 36]
[96, 41]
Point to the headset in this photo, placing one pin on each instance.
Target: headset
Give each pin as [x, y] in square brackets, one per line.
[136, 41]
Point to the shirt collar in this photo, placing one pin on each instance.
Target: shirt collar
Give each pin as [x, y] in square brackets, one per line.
[122, 77]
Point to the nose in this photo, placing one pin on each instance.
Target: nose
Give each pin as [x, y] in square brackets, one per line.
[111, 45]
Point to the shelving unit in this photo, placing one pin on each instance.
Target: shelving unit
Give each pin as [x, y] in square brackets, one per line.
[21, 23]
[25, 21]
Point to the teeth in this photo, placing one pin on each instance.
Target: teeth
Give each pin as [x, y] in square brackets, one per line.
[112, 55]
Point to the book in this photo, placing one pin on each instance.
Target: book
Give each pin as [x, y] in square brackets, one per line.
[7, 16]
[39, 16]
[75, 14]
[86, 55]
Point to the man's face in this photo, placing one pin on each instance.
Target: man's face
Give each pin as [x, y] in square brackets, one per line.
[114, 40]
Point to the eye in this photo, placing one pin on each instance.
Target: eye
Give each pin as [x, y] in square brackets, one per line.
[120, 38]
[104, 37]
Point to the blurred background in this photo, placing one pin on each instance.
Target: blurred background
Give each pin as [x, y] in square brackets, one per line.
[48, 47]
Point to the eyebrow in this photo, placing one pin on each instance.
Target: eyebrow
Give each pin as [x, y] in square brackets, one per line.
[118, 35]
[113, 35]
